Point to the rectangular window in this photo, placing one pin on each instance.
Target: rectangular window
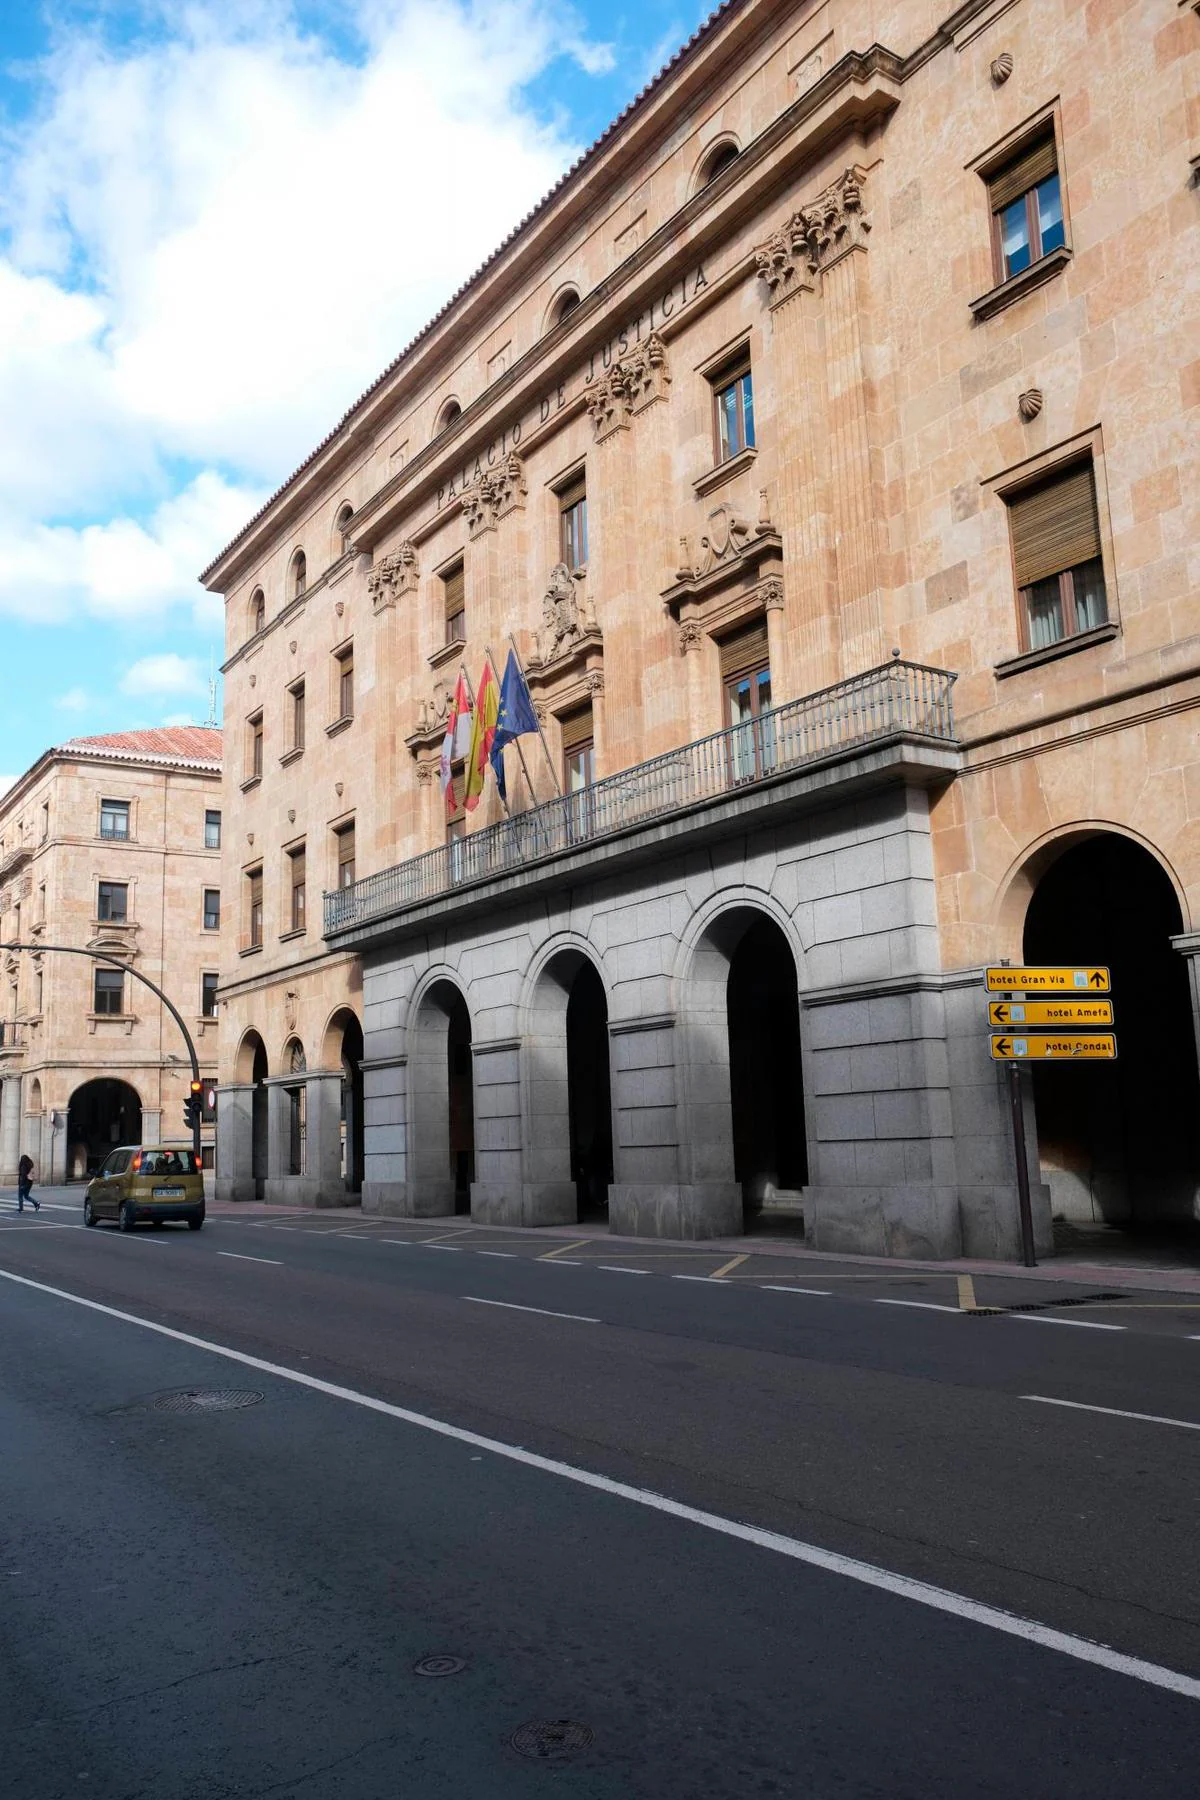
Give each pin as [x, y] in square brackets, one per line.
[212, 909]
[108, 991]
[746, 676]
[114, 818]
[39, 991]
[454, 585]
[1026, 202]
[345, 855]
[45, 820]
[254, 758]
[733, 404]
[344, 679]
[212, 831]
[579, 769]
[254, 909]
[296, 693]
[572, 513]
[296, 887]
[208, 994]
[112, 901]
[1056, 557]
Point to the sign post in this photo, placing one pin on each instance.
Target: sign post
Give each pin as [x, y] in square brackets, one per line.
[1011, 1019]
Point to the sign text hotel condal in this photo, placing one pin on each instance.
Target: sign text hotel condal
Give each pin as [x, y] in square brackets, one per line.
[680, 294]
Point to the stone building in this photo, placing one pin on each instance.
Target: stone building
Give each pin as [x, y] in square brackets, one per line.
[826, 441]
[110, 844]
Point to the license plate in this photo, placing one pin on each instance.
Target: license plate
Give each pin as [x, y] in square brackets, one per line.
[167, 1193]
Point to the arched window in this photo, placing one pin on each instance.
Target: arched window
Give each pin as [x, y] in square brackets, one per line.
[297, 1063]
[566, 303]
[717, 161]
[299, 574]
[451, 411]
[342, 527]
[258, 611]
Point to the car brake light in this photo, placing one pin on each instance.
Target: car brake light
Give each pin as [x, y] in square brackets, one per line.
[136, 1164]
[195, 1162]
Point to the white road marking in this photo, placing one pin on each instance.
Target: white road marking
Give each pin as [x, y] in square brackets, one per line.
[698, 1278]
[1114, 1412]
[773, 1287]
[618, 1269]
[273, 1260]
[923, 1593]
[1049, 1319]
[511, 1255]
[924, 1305]
[563, 1262]
[511, 1306]
[46, 1224]
[454, 1249]
[405, 1241]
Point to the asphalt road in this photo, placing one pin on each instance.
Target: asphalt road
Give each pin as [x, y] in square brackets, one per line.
[685, 1509]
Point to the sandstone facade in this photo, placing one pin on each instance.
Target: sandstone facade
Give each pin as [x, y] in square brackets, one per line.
[812, 199]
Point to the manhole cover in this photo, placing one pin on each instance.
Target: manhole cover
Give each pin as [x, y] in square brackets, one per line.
[439, 1665]
[203, 1400]
[551, 1740]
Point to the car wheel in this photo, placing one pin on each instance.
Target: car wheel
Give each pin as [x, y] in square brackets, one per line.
[128, 1217]
[89, 1212]
[195, 1224]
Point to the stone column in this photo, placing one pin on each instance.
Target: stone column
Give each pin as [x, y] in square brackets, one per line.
[499, 1192]
[279, 1122]
[235, 1143]
[665, 1184]
[385, 1136]
[152, 1126]
[322, 1182]
[10, 1128]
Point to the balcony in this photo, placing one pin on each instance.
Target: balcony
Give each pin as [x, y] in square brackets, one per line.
[11, 1037]
[900, 705]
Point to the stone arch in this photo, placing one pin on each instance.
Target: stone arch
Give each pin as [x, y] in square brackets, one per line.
[717, 157]
[1118, 1142]
[1023, 874]
[251, 1051]
[256, 612]
[342, 1048]
[567, 1084]
[100, 1114]
[251, 1071]
[564, 302]
[341, 528]
[742, 1128]
[297, 575]
[448, 413]
[34, 1099]
[441, 1096]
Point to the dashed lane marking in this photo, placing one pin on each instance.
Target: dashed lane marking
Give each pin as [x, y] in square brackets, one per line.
[1114, 1412]
[1042, 1318]
[943, 1600]
[274, 1261]
[509, 1255]
[922, 1305]
[511, 1306]
[616, 1269]
[771, 1287]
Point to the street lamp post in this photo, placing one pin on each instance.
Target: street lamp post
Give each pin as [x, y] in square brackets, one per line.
[116, 962]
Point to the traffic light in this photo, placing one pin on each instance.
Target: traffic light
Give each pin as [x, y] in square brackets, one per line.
[193, 1106]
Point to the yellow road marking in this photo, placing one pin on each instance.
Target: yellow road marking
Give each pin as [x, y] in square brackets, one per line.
[731, 1264]
[563, 1249]
[966, 1294]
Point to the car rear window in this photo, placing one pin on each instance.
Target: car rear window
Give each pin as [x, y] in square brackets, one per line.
[166, 1162]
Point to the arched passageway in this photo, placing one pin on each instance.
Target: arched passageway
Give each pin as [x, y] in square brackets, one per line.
[570, 1152]
[100, 1114]
[1119, 1143]
[252, 1069]
[441, 1074]
[746, 1112]
[344, 1050]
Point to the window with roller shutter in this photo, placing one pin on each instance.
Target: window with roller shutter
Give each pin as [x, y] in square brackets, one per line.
[1057, 562]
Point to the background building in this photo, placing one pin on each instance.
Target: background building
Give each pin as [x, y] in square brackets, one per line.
[108, 843]
[827, 442]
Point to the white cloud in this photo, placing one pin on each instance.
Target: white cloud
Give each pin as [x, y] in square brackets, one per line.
[75, 700]
[164, 675]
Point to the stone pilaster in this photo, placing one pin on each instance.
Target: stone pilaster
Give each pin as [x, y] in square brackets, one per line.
[10, 1128]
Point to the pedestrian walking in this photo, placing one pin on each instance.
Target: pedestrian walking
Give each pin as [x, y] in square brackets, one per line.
[25, 1184]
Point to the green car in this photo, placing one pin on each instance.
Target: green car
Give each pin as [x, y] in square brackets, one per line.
[146, 1181]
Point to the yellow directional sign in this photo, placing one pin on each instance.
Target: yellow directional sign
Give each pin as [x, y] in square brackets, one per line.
[1016, 1014]
[1062, 1046]
[1047, 981]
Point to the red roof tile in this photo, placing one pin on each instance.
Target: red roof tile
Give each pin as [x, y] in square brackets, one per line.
[191, 743]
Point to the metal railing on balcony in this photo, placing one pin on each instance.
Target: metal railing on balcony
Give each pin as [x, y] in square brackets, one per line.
[10, 1035]
[902, 699]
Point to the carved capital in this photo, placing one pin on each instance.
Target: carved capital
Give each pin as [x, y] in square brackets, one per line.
[493, 494]
[771, 591]
[813, 237]
[395, 575]
[632, 384]
[595, 682]
[424, 773]
[691, 635]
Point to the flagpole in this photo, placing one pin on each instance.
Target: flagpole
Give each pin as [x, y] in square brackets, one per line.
[545, 746]
[487, 650]
[516, 741]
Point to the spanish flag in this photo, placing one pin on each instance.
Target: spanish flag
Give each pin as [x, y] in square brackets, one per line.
[483, 729]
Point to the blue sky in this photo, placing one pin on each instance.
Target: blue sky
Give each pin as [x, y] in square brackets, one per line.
[217, 225]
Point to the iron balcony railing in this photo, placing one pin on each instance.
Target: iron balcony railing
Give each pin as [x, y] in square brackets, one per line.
[902, 699]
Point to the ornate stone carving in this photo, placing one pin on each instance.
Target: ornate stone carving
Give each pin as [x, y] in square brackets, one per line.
[595, 682]
[1030, 403]
[493, 494]
[566, 615]
[1002, 68]
[424, 773]
[726, 538]
[393, 576]
[772, 593]
[632, 384]
[691, 635]
[434, 712]
[541, 711]
[814, 235]
[291, 815]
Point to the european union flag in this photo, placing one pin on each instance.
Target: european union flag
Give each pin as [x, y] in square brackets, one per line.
[515, 717]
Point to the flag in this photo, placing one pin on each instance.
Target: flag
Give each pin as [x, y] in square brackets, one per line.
[457, 739]
[515, 717]
[487, 703]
